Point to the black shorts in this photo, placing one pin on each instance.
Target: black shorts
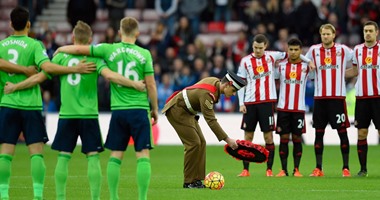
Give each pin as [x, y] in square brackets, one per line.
[290, 122]
[70, 129]
[16, 121]
[367, 110]
[125, 124]
[331, 111]
[262, 113]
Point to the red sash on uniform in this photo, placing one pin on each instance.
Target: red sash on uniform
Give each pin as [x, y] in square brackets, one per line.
[211, 88]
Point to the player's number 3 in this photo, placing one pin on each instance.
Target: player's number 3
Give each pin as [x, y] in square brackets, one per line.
[14, 59]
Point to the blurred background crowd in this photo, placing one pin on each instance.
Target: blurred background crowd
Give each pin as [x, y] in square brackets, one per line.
[192, 39]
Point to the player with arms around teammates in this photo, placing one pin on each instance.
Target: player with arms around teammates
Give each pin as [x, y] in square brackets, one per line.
[131, 112]
[292, 74]
[330, 59]
[21, 111]
[79, 112]
[367, 69]
[9, 67]
[257, 100]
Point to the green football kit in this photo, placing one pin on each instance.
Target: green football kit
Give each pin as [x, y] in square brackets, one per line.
[79, 96]
[130, 111]
[21, 110]
[78, 116]
[132, 62]
[25, 51]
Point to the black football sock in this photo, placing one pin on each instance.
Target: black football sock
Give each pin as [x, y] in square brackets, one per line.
[297, 152]
[362, 153]
[344, 146]
[246, 165]
[270, 148]
[284, 152]
[318, 146]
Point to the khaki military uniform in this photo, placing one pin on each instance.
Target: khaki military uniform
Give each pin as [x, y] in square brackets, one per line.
[185, 122]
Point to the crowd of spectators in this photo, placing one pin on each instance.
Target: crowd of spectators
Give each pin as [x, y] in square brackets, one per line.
[181, 58]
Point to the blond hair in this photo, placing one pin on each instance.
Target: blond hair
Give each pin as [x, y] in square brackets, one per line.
[129, 26]
[327, 26]
[82, 32]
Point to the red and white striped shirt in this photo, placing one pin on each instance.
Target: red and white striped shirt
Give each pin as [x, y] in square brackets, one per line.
[259, 74]
[330, 70]
[293, 79]
[368, 61]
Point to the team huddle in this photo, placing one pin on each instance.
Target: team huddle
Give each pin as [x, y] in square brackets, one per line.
[129, 68]
[133, 105]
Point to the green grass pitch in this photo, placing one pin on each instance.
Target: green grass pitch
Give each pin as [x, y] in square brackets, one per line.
[166, 181]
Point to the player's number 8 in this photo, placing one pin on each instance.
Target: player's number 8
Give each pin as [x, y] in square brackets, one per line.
[73, 79]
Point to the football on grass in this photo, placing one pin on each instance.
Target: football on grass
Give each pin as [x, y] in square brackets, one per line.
[214, 181]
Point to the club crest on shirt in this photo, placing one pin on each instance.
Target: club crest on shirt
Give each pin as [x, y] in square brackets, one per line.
[209, 104]
[328, 60]
[368, 60]
[339, 53]
[293, 75]
[260, 69]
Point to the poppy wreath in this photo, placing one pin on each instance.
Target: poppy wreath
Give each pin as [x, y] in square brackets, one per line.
[247, 151]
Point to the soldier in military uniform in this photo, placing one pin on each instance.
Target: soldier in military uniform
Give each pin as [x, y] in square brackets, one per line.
[181, 110]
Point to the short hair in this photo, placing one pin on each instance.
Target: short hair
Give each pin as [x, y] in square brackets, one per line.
[129, 26]
[371, 23]
[19, 18]
[295, 42]
[260, 38]
[82, 32]
[327, 26]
